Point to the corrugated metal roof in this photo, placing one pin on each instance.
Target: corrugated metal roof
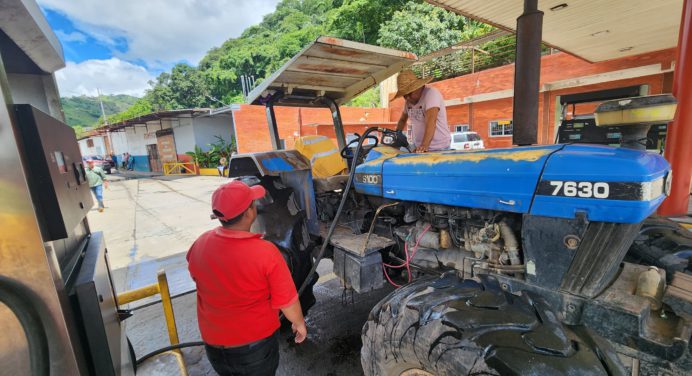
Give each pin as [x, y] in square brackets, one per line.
[594, 30]
[333, 68]
[152, 116]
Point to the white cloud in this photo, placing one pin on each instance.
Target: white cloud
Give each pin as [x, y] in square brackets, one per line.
[74, 36]
[161, 32]
[112, 76]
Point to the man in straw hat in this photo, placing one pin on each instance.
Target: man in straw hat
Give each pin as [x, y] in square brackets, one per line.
[426, 109]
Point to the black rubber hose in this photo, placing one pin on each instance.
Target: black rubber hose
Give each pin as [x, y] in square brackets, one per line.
[344, 196]
[168, 348]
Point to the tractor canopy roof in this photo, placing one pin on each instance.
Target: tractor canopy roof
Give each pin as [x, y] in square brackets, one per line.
[330, 68]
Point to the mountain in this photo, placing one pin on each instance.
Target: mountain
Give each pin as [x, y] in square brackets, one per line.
[85, 111]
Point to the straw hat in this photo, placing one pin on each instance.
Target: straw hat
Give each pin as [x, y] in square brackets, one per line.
[407, 82]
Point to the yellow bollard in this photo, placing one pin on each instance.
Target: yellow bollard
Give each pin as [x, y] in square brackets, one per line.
[168, 308]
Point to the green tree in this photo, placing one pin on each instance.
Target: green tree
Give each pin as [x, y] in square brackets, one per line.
[263, 48]
[360, 20]
[422, 28]
[141, 107]
[369, 98]
[184, 87]
[78, 131]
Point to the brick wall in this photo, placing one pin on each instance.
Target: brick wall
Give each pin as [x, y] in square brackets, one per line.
[252, 132]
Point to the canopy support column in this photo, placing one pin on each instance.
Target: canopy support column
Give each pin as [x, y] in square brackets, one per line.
[273, 127]
[678, 149]
[527, 74]
[338, 123]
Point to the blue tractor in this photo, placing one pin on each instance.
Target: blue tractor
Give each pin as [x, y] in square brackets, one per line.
[508, 261]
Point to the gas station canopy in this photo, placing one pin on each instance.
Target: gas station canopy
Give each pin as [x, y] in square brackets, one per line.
[594, 30]
[331, 68]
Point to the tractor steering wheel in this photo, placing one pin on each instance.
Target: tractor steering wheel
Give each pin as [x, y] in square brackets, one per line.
[345, 152]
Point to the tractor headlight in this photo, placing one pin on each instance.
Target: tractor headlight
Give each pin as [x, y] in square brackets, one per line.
[652, 190]
[667, 183]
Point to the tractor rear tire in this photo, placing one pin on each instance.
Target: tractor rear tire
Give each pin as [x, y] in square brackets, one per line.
[449, 326]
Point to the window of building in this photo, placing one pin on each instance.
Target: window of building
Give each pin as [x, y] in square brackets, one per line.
[90, 143]
[500, 128]
[461, 128]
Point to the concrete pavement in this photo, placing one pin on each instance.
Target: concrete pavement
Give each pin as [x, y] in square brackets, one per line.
[149, 219]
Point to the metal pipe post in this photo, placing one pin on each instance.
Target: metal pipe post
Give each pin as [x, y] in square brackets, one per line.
[273, 128]
[527, 74]
[678, 149]
[338, 124]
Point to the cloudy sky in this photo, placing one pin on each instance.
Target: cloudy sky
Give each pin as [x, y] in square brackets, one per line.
[119, 45]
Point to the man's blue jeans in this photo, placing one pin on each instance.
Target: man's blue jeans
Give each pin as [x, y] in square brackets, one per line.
[98, 192]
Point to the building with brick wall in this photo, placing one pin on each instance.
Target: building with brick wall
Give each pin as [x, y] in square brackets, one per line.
[482, 101]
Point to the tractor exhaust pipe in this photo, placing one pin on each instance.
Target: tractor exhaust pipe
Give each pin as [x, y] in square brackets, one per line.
[527, 74]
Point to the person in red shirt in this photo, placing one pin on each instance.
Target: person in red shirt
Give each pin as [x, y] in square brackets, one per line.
[242, 283]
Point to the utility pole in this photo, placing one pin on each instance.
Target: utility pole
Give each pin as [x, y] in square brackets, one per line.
[103, 111]
[109, 144]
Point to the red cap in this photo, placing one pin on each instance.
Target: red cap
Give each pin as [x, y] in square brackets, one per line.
[231, 199]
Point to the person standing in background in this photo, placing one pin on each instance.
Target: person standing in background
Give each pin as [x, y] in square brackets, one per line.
[223, 165]
[130, 162]
[97, 179]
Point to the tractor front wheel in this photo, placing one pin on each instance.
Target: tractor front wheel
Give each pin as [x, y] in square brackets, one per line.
[449, 326]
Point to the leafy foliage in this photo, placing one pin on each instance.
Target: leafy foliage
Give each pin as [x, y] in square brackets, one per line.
[85, 111]
[370, 98]
[421, 29]
[360, 20]
[141, 107]
[217, 150]
[263, 48]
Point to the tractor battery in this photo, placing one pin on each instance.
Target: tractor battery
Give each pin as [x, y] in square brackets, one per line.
[362, 274]
[357, 260]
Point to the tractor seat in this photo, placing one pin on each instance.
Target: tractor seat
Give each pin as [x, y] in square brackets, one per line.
[323, 155]
[634, 117]
[646, 110]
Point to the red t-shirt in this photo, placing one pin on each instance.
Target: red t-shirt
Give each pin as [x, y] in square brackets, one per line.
[242, 282]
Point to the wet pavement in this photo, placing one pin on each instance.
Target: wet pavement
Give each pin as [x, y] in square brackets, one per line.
[150, 222]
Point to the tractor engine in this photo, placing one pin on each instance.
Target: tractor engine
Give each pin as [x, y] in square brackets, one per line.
[463, 239]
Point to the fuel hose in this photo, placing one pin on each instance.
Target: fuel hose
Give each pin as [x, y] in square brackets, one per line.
[344, 197]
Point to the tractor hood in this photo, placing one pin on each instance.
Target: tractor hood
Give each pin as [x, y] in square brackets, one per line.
[603, 183]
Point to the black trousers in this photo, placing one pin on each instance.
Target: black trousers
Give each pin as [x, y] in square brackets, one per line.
[257, 359]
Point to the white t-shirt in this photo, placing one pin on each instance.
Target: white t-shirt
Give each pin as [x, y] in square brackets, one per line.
[430, 98]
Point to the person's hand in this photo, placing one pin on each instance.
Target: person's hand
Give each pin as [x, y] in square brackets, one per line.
[421, 149]
[301, 331]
